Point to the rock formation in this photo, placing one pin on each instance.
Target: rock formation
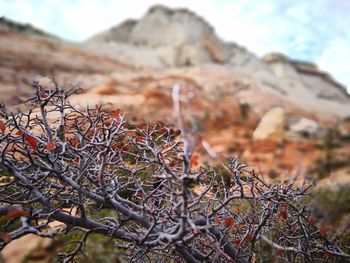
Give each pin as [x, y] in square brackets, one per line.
[180, 38]
[306, 128]
[189, 39]
[134, 66]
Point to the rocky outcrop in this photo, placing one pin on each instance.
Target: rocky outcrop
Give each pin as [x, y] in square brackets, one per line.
[191, 39]
[166, 37]
[178, 37]
[271, 125]
[306, 128]
[119, 33]
[301, 73]
[308, 87]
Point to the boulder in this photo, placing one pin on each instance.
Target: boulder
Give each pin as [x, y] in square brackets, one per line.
[271, 125]
[306, 128]
[344, 129]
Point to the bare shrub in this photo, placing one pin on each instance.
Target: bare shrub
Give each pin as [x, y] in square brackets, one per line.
[95, 173]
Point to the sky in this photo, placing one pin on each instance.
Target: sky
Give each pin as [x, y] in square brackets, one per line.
[312, 30]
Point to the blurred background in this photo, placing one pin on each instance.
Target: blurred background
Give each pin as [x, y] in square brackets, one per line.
[265, 80]
[304, 30]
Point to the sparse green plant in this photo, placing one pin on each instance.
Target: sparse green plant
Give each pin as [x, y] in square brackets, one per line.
[326, 163]
[245, 109]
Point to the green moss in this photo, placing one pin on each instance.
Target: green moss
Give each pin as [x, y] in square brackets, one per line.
[104, 212]
[97, 248]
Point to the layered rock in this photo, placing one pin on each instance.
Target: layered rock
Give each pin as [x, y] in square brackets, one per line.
[308, 87]
[166, 37]
[189, 38]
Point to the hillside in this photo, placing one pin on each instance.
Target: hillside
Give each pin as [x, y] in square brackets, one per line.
[26, 29]
[134, 65]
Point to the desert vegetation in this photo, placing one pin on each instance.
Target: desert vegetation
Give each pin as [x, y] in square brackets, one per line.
[143, 192]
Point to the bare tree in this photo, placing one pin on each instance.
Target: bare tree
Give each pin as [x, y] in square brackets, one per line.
[67, 164]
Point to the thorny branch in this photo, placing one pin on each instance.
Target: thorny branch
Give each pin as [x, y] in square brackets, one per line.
[67, 164]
